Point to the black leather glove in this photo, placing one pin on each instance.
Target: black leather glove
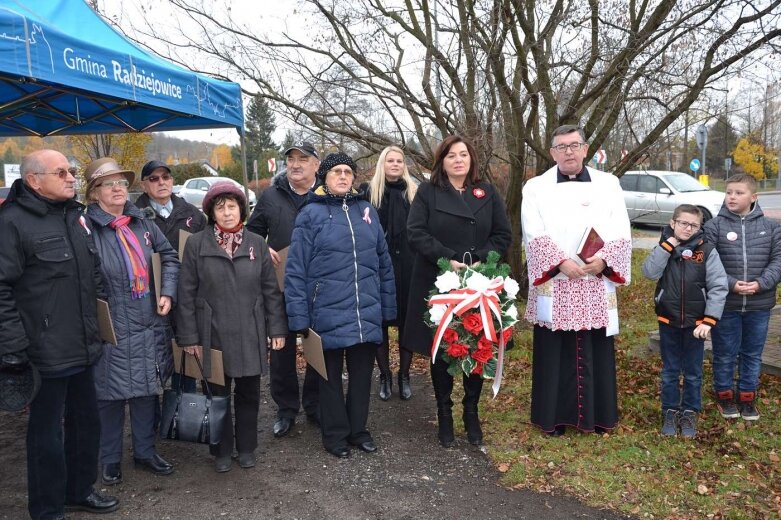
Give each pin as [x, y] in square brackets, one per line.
[304, 332]
[14, 361]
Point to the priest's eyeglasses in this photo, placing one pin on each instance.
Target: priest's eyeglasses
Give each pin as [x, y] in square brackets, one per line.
[62, 173]
[687, 225]
[573, 147]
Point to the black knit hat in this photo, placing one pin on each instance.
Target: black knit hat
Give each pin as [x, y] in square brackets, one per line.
[335, 159]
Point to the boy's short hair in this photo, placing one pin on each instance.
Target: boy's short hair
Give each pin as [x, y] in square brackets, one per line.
[687, 208]
[744, 178]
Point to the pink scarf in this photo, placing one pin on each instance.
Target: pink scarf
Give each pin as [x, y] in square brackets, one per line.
[229, 239]
[133, 255]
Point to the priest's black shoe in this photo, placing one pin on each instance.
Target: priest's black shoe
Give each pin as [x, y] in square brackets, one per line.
[558, 431]
[112, 474]
[341, 452]
[367, 447]
[282, 426]
[155, 464]
[94, 503]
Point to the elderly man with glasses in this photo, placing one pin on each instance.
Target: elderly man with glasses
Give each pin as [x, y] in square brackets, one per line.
[567, 213]
[49, 282]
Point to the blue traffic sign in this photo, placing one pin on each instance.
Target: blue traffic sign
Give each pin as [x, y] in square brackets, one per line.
[694, 165]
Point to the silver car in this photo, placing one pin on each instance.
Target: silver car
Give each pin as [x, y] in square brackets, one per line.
[193, 190]
[651, 196]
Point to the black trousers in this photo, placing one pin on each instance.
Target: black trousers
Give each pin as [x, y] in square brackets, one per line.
[284, 382]
[443, 386]
[246, 403]
[63, 433]
[344, 422]
[143, 427]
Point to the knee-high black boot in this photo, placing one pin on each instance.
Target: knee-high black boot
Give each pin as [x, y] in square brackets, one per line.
[473, 385]
[443, 387]
[383, 363]
[405, 361]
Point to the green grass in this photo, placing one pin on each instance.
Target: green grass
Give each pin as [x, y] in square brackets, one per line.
[731, 470]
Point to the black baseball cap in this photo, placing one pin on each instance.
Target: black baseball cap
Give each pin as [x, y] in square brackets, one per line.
[303, 147]
[151, 166]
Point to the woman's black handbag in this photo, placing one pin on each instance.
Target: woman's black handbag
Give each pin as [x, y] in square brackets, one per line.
[193, 417]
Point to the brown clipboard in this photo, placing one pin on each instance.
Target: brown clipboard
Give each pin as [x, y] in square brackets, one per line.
[157, 270]
[191, 367]
[183, 236]
[280, 269]
[313, 353]
[105, 323]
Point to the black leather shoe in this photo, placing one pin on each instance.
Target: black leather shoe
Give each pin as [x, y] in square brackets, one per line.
[405, 391]
[155, 464]
[367, 447]
[599, 430]
[385, 387]
[558, 431]
[341, 452]
[282, 426]
[94, 503]
[112, 474]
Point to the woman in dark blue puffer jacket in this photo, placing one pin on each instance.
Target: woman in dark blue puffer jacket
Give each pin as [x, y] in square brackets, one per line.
[339, 282]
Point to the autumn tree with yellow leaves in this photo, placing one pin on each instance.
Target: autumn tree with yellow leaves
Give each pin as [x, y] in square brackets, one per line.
[752, 157]
[129, 150]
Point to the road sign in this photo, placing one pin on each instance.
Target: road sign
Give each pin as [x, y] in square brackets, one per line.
[601, 156]
[702, 137]
[694, 165]
[272, 165]
[728, 163]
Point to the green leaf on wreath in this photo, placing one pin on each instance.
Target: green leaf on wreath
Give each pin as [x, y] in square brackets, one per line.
[489, 369]
[468, 364]
[444, 264]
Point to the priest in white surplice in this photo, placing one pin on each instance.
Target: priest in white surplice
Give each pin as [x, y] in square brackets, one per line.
[572, 303]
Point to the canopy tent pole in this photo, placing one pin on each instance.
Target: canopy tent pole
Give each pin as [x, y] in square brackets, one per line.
[244, 162]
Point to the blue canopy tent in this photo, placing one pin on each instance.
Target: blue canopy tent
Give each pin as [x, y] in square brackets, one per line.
[64, 70]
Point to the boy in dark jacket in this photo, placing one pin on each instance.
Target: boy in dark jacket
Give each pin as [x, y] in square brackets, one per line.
[689, 300]
[750, 248]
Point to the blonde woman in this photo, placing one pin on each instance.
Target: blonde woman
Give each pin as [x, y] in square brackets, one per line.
[391, 191]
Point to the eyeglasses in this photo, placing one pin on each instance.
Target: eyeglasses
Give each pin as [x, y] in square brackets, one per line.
[687, 225]
[562, 148]
[62, 173]
[122, 183]
[157, 178]
[339, 173]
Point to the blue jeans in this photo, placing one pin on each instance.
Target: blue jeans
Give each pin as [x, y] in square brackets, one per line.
[743, 335]
[681, 353]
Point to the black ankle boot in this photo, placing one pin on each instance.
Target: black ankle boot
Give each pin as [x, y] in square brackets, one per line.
[385, 386]
[474, 433]
[445, 420]
[405, 391]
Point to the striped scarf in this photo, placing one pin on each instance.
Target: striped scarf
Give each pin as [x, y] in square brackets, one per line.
[134, 257]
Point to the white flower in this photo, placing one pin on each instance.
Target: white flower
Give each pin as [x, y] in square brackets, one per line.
[447, 281]
[478, 282]
[511, 287]
[436, 312]
[512, 311]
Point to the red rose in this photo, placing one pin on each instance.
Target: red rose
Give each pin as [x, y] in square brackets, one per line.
[483, 355]
[485, 344]
[473, 323]
[508, 334]
[478, 370]
[457, 350]
[450, 335]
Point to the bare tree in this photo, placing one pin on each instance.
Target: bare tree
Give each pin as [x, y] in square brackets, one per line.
[503, 73]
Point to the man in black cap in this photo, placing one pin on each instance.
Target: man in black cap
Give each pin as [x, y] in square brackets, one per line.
[171, 214]
[274, 218]
[49, 282]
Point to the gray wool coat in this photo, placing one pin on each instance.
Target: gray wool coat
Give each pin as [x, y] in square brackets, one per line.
[140, 363]
[231, 305]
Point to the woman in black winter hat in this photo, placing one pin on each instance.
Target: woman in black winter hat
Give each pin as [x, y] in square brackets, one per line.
[339, 282]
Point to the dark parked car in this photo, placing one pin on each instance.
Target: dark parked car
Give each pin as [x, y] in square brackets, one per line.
[4, 193]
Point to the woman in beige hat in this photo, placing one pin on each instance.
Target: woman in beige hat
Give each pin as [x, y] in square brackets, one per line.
[134, 370]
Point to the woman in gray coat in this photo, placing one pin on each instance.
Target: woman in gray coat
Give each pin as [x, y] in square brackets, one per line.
[229, 300]
[134, 370]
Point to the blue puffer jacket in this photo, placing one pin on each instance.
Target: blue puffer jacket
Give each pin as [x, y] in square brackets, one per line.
[339, 276]
[750, 250]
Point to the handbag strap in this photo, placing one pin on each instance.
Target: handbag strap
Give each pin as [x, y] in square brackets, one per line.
[203, 376]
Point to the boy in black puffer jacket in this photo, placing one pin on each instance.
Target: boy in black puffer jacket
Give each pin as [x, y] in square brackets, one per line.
[750, 248]
[689, 300]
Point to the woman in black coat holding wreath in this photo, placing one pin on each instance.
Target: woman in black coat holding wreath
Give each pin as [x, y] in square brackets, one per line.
[391, 191]
[459, 217]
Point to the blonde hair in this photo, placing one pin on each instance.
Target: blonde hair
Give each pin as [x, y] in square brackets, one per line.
[377, 183]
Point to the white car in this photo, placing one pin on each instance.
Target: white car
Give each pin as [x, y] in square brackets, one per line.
[193, 190]
[651, 196]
